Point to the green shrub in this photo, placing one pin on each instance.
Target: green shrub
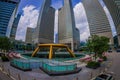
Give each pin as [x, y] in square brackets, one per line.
[93, 64]
[4, 58]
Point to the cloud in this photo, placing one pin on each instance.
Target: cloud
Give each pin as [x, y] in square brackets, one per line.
[28, 19]
[56, 24]
[81, 21]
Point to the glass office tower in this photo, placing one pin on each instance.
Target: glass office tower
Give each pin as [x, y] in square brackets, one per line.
[14, 27]
[44, 32]
[8, 9]
[67, 32]
[114, 9]
[97, 19]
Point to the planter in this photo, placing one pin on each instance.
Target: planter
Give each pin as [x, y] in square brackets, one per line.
[93, 65]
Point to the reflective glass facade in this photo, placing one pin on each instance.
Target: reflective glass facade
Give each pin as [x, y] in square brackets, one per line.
[7, 14]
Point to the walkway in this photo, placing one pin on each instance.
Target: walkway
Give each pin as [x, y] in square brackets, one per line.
[115, 65]
[4, 77]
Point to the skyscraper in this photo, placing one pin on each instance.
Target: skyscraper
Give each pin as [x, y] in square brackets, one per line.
[114, 9]
[44, 32]
[29, 34]
[8, 9]
[14, 27]
[67, 32]
[97, 19]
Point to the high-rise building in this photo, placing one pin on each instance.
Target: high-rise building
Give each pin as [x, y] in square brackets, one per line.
[97, 19]
[114, 9]
[44, 32]
[67, 32]
[14, 27]
[29, 34]
[8, 9]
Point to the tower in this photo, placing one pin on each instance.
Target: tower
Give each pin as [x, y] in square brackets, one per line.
[97, 19]
[114, 9]
[66, 26]
[14, 27]
[8, 9]
[44, 32]
[29, 32]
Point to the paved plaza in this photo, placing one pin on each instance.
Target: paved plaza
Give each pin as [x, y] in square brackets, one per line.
[113, 65]
[4, 77]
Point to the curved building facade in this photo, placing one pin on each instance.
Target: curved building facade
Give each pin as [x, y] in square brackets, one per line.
[8, 9]
[114, 9]
[97, 19]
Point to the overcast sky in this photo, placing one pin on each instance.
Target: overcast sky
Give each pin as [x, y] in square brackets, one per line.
[30, 11]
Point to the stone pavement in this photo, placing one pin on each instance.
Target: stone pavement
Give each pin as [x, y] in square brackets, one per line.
[4, 77]
[112, 64]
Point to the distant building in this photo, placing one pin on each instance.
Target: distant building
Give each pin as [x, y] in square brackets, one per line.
[97, 19]
[114, 9]
[29, 34]
[77, 38]
[56, 38]
[8, 9]
[14, 27]
[67, 32]
[44, 32]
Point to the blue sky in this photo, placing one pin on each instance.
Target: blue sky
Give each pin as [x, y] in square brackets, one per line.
[37, 3]
[30, 11]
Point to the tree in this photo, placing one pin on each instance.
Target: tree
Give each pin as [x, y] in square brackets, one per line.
[5, 43]
[98, 45]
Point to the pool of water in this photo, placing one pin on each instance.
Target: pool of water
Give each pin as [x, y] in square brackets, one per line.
[59, 57]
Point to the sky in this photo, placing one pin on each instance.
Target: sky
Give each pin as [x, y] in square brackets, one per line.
[30, 11]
